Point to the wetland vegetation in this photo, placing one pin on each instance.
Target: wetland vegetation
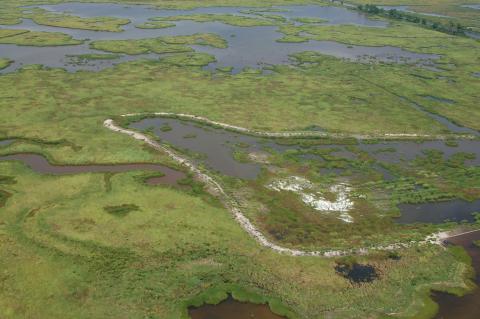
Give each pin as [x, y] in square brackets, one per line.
[331, 129]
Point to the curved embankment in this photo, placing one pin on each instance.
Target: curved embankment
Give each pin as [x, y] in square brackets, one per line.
[234, 208]
[296, 134]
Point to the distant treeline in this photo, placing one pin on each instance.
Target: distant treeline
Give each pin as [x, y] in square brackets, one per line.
[450, 28]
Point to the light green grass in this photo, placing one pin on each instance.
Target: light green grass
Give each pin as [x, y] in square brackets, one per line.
[63, 256]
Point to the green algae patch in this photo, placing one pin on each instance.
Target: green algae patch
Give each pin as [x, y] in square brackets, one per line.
[167, 44]
[230, 19]
[43, 17]
[36, 38]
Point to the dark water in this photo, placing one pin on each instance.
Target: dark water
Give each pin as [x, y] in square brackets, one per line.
[468, 306]
[247, 46]
[232, 309]
[40, 165]
[438, 212]
[357, 273]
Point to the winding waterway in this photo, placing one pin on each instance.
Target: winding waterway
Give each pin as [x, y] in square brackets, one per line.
[40, 164]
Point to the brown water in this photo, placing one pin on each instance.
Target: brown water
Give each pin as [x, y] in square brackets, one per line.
[468, 306]
[41, 165]
[232, 309]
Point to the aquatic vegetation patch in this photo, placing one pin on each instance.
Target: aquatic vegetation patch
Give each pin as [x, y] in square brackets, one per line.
[315, 199]
[121, 210]
[165, 44]
[134, 47]
[44, 17]
[230, 19]
[37, 38]
[154, 24]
